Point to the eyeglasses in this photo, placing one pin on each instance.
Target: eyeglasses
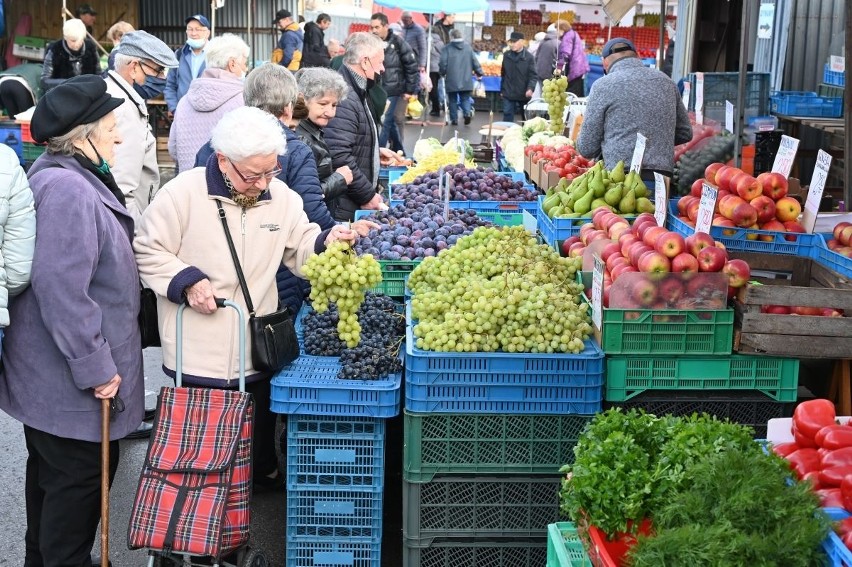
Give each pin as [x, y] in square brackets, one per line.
[195, 30]
[158, 71]
[252, 179]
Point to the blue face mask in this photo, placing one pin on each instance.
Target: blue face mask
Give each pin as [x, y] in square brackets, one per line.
[196, 43]
[152, 88]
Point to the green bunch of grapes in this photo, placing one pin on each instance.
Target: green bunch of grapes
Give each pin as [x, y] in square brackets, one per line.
[554, 92]
[499, 289]
[338, 275]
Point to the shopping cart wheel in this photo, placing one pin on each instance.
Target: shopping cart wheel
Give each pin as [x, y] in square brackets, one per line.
[255, 558]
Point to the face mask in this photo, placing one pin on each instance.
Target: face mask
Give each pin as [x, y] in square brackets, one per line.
[103, 166]
[195, 43]
[152, 88]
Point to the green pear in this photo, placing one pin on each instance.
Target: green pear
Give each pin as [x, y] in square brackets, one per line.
[614, 194]
[584, 204]
[569, 215]
[597, 203]
[550, 201]
[644, 205]
[627, 203]
[617, 173]
[641, 190]
[555, 211]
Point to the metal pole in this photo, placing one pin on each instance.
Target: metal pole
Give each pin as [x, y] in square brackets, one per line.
[739, 116]
[662, 34]
[847, 120]
[212, 18]
[248, 32]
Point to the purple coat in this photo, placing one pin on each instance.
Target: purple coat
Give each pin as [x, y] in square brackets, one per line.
[76, 326]
[573, 49]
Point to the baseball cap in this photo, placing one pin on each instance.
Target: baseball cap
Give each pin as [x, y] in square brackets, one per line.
[617, 45]
[515, 36]
[200, 19]
[85, 9]
[281, 14]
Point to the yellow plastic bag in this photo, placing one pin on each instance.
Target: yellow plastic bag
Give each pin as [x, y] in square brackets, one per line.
[414, 109]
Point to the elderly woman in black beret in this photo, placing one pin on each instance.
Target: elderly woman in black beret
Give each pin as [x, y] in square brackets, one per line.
[75, 338]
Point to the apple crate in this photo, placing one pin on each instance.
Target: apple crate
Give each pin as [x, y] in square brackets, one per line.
[831, 259]
[746, 239]
[629, 376]
[564, 547]
[554, 231]
[838, 554]
[810, 284]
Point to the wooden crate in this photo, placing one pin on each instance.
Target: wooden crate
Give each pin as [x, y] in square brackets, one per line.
[810, 285]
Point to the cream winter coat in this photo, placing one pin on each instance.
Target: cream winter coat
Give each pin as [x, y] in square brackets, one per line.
[17, 230]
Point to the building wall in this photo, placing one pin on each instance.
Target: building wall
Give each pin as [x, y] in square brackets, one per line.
[816, 31]
[46, 16]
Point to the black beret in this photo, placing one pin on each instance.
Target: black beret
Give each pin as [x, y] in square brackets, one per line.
[80, 100]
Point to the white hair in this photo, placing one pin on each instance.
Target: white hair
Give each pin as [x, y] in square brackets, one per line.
[223, 48]
[229, 135]
[74, 29]
[122, 61]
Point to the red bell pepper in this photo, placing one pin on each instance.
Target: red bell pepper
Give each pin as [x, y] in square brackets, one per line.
[819, 438]
[784, 449]
[837, 458]
[836, 437]
[846, 492]
[847, 540]
[845, 526]
[833, 476]
[811, 416]
[813, 477]
[804, 461]
[830, 498]
[802, 440]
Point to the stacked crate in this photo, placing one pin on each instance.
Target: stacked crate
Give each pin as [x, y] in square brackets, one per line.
[485, 436]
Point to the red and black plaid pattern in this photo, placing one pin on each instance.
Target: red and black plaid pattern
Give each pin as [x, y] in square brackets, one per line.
[194, 490]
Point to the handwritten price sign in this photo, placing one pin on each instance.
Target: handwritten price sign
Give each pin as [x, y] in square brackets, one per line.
[823, 163]
[660, 198]
[699, 98]
[729, 116]
[638, 153]
[597, 291]
[687, 88]
[706, 206]
[785, 156]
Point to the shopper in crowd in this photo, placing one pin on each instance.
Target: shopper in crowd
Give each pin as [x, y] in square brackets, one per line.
[547, 55]
[362, 65]
[291, 42]
[183, 256]
[191, 59]
[458, 65]
[87, 15]
[73, 55]
[218, 90]
[633, 99]
[74, 339]
[415, 36]
[444, 26]
[435, 98]
[400, 80]
[536, 41]
[518, 77]
[20, 88]
[334, 49]
[572, 58]
[114, 34]
[377, 97]
[315, 53]
[668, 60]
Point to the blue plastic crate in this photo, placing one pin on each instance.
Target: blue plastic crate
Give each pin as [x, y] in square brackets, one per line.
[500, 382]
[836, 78]
[310, 386]
[327, 552]
[326, 453]
[801, 245]
[831, 259]
[10, 134]
[838, 554]
[804, 103]
[554, 231]
[335, 513]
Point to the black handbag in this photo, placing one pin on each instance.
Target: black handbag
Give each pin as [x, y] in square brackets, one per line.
[273, 337]
[149, 327]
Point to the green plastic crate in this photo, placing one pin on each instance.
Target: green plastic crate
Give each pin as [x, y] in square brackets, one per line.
[669, 331]
[629, 376]
[444, 443]
[394, 276]
[564, 547]
[32, 151]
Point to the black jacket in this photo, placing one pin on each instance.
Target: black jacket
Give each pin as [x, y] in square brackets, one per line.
[314, 51]
[59, 62]
[376, 95]
[401, 76]
[352, 140]
[518, 75]
[332, 183]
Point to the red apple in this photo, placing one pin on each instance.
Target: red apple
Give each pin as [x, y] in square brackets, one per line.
[787, 209]
[747, 186]
[711, 259]
[765, 208]
[697, 187]
[596, 235]
[737, 271]
[622, 269]
[692, 210]
[566, 244]
[616, 260]
[644, 292]
[744, 215]
[711, 170]
[800, 310]
[683, 204]
[671, 290]
[618, 229]
[654, 262]
[646, 217]
[697, 242]
[844, 251]
[773, 185]
[640, 226]
[670, 244]
[635, 252]
[725, 176]
[728, 203]
[846, 236]
[718, 244]
[775, 309]
[684, 262]
[838, 231]
[576, 250]
[652, 234]
[829, 312]
[610, 249]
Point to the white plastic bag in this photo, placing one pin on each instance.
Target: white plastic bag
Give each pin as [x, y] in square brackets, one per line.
[425, 82]
[478, 89]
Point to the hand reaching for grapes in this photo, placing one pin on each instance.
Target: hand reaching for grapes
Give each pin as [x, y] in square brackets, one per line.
[340, 233]
[201, 297]
[374, 204]
[362, 227]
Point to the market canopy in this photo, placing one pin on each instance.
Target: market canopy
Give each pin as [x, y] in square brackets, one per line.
[435, 6]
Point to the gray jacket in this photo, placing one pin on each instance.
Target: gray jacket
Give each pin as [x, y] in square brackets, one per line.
[435, 57]
[633, 98]
[415, 37]
[458, 64]
[545, 57]
[17, 230]
[76, 326]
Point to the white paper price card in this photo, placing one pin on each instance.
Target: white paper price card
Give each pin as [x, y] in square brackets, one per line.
[837, 63]
[823, 163]
[661, 201]
[785, 156]
[699, 98]
[638, 153]
[706, 206]
[446, 194]
[597, 291]
[687, 88]
[729, 116]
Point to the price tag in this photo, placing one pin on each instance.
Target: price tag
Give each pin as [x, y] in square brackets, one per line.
[837, 63]
[638, 153]
[706, 206]
[823, 163]
[785, 156]
[446, 188]
[699, 98]
[687, 88]
[597, 291]
[661, 201]
[729, 116]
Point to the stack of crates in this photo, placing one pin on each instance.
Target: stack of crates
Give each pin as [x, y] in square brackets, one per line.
[719, 87]
[833, 85]
[485, 437]
[335, 447]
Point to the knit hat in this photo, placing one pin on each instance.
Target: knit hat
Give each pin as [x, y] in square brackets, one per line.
[80, 100]
[281, 14]
[617, 45]
[145, 46]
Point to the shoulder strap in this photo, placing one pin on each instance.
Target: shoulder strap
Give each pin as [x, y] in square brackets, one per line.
[236, 260]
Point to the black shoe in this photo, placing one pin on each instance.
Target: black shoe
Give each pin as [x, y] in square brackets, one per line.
[149, 414]
[454, 123]
[270, 484]
[434, 113]
[141, 432]
[466, 120]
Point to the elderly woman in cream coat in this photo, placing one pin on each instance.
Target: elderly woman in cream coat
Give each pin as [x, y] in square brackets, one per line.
[183, 255]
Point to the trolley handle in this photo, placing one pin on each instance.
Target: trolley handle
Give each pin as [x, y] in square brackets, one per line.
[220, 302]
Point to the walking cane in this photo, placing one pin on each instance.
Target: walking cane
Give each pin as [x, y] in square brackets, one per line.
[105, 406]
